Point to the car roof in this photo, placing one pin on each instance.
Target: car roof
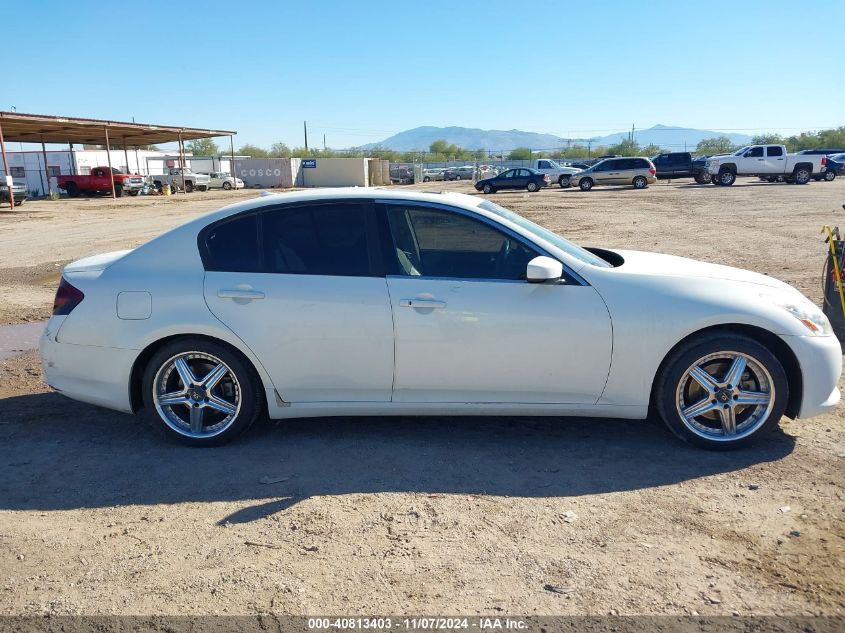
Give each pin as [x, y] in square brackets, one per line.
[267, 199]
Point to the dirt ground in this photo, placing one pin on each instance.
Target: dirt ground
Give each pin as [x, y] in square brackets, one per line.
[100, 515]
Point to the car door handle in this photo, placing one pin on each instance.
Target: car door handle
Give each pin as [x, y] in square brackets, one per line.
[761, 159]
[421, 303]
[236, 293]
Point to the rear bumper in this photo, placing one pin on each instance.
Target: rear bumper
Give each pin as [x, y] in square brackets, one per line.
[97, 375]
[820, 359]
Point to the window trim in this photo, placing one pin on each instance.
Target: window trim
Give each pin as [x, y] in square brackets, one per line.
[374, 255]
[571, 278]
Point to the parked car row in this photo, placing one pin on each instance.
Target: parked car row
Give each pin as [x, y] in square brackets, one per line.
[98, 180]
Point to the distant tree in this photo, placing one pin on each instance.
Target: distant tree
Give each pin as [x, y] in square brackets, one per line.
[203, 147]
[715, 145]
[279, 150]
[651, 150]
[439, 146]
[767, 139]
[520, 153]
[625, 148]
[253, 151]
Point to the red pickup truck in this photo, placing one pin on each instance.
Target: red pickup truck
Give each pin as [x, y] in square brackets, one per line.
[98, 181]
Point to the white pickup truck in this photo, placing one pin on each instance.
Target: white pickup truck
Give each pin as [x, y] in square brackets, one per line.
[766, 161]
[555, 171]
[173, 177]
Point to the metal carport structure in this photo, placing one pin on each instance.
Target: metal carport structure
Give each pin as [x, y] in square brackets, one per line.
[43, 128]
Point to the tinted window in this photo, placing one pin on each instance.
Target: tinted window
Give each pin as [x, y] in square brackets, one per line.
[624, 163]
[543, 164]
[523, 173]
[434, 243]
[774, 151]
[508, 174]
[325, 239]
[233, 246]
[754, 152]
[642, 163]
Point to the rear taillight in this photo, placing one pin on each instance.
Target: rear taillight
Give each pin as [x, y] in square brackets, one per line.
[546, 178]
[824, 160]
[67, 298]
[652, 171]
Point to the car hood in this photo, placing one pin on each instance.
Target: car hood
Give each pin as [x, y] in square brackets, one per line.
[95, 262]
[673, 266]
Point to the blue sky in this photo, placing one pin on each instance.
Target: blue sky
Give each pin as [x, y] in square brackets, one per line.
[361, 71]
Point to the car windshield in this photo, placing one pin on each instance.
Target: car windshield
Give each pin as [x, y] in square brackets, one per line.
[741, 150]
[553, 164]
[838, 157]
[563, 244]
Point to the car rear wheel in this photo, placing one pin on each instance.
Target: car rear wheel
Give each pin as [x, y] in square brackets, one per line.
[702, 179]
[563, 181]
[586, 184]
[457, 178]
[488, 188]
[640, 182]
[532, 186]
[721, 392]
[72, 190]
[200, 392]
[801, 176]
[227, 185]
[829, 176]
[189, 187]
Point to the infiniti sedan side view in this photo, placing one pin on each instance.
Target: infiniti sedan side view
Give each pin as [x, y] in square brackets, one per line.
[374, 302]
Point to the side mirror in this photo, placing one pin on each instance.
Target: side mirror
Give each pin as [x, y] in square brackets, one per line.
[543, 269]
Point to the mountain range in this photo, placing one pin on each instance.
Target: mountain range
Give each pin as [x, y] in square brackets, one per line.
[665, 136]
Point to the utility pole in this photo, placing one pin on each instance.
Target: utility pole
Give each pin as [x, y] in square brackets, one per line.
[632, 134]
[324, 142]
[305, 129]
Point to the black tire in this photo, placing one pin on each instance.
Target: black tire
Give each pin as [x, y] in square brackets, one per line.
[714, 180]
[829, 176]
[640, 182]
[532, 186]
[801, 176]
[426, 179]
[585, 184]
[563, 181]
[189, 186]
[702, 178]
[118, 191]
[488, 188]
[72, 189]
[251, 390]
[673, 372]
[227, 185]
[456, 178]
[726, 178]
[134, 192]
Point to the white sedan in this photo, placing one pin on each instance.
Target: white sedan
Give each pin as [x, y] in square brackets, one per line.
[373, 302]
[223, 180]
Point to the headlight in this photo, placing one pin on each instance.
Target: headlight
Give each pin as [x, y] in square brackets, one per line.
[807, 313]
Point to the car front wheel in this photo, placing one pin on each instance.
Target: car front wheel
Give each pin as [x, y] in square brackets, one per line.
[200, 392]
[586, 184]
[488, 188]
[829, 176]
[721, 392]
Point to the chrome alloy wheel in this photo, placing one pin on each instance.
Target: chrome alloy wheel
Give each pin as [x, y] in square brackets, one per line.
[196, 394]
[725, 396]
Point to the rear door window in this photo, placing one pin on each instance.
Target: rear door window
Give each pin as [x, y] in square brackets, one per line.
[774, 150]
[321, 239]
[232, 246]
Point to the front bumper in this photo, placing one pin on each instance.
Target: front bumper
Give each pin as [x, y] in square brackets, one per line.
[97, 375]
[820, 360]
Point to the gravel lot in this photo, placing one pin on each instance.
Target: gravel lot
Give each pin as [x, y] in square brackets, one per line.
[99, 514]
